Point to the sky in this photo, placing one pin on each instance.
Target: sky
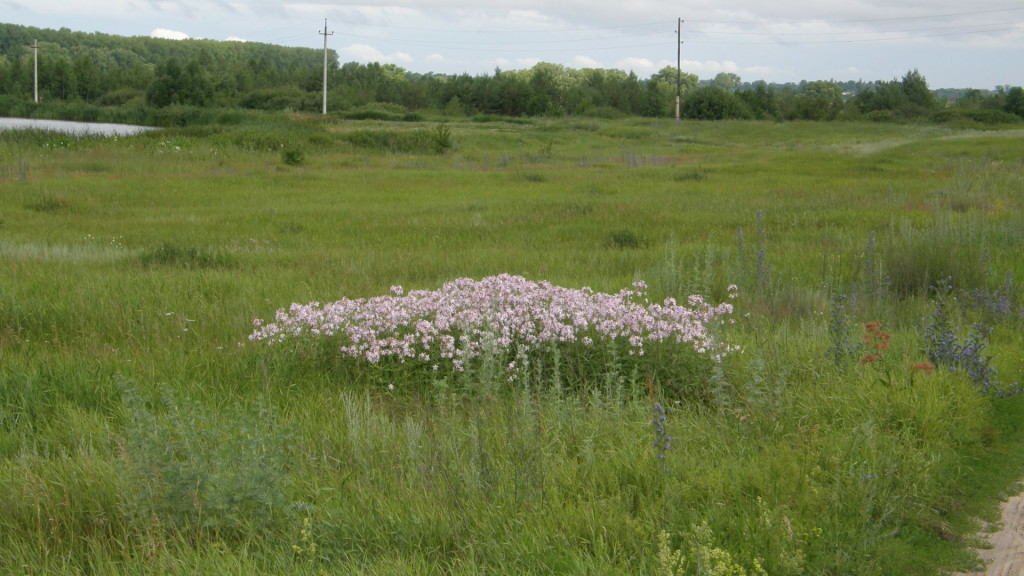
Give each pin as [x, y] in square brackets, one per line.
[953, 44]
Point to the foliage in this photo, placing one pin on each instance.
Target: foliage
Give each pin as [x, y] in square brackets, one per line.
[105, 70]
[945, 349]
[192, 471]
[1015, 101]
[437, 141]
[713, 104]
[504, 318]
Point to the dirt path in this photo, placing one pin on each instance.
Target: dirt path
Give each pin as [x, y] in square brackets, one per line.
[1005, 557]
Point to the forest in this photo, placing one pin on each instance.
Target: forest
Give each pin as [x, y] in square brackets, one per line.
[84, 75]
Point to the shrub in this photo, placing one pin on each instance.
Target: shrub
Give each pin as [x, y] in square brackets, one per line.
[713, 104]
[122, 97]
[509, 320]
[293, 156]
[280, 98]
[946, 350]
[435, 141]
[192, 470]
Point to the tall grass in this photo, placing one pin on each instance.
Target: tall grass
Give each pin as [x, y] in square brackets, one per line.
[140, 432]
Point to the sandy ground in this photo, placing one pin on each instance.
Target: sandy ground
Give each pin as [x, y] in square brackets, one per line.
[1005, 556]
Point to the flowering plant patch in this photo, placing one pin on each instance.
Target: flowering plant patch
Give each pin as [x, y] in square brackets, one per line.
[503, 314]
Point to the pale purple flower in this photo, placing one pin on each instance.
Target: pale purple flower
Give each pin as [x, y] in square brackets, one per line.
[466, 318]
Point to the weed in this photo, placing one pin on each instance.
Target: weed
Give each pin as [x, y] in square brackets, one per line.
[662, 440]
[48, 203]
[876, 342]
[670, 562]
[945, 350]
[947, 249]
[306, 552]
[692, 175]
[763, 274]
[624, 240]
[443, 140]
[293, 157]
[437, 141]
[193, 471]
[840, 350]
[173, 256]
[874, 285]
[705, 558]
[534, 177]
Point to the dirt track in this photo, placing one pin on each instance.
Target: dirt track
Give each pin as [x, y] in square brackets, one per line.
[1005, 557]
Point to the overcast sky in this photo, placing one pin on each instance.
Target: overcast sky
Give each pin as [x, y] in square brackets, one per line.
[954, 44]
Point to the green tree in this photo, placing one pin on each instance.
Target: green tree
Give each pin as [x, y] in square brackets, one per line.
[545, 98]
[816, 101]
[726, 81]
[714, 104]
[163, 91]
[1014, 103]
[885, 96]
[915, 87]
[88, 85]
[761, 100]
[196, 88]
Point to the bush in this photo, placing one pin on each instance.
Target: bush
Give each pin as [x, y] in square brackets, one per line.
[437, 141]
[713, 104]
[293, 157]
[979, 116]
[508, 324]
[192, 470]
[122, 97]
[284, 98]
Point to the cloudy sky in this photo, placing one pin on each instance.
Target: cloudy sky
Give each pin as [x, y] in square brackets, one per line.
[954, 44]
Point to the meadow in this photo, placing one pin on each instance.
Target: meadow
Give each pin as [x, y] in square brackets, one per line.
[864, 422]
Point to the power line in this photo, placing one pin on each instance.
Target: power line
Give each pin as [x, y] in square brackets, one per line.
[855, 21]
[860, 40]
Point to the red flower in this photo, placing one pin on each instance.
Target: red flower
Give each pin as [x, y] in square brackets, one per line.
[925, 367]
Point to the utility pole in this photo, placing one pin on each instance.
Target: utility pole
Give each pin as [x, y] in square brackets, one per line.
[325, 34]
[35, 71]
[679, 69]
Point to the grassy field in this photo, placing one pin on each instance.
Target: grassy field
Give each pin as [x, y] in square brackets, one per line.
[141, 432]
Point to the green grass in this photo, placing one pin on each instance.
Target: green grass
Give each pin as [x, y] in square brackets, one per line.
[141, 433]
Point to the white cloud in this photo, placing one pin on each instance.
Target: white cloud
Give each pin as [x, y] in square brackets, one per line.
[516, 64]
[642, 67]
[585, 62]
[366, 53]
[168, 34]
[235, 39]
[709, 67]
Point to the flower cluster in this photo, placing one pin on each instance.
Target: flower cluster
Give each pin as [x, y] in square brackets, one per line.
[945, 349]
[466, 318]
[876, 341]
[662, 440]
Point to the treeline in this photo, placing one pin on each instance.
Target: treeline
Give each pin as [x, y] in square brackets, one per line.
[110, 70]
[138, 73]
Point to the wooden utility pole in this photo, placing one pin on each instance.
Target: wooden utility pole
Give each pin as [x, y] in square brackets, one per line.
[679, 68]
[35, 71]
[325, 34]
